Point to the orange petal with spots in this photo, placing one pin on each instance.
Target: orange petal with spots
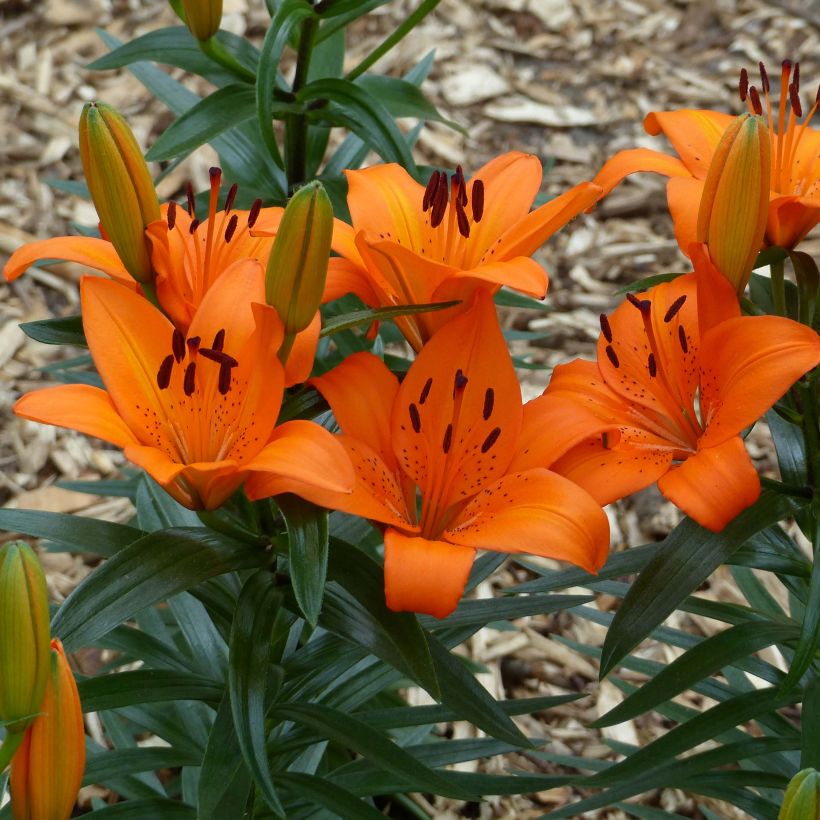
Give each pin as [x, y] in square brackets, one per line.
[715, 485]
[538, 512]
[683, 197]
[529, 233]
[624, 163]
[78, 407]
[747, 364]
[424, 576]
[694, 135]
[609, 471]
[84, 250]
[385, 202]
[519, 273]
[361, 392]
[458, 412]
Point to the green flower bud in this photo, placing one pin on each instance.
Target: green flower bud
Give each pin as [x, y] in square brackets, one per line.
[802, 798]
[120, 185]
[297, 266]
[24, 635]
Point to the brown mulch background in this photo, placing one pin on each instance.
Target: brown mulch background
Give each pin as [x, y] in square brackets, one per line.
[564, 80]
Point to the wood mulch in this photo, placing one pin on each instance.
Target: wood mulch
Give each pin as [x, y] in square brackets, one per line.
[568, 80]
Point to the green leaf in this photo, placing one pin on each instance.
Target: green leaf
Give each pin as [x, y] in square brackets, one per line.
[289, 14]
[687, 558]
[351, 106]
[145, 686]
[151, 569]
[791, 452]
[510, 298]
[810, 726]
[363, 616]
[114, 763]
[76, 532]
[366, 317]
[809, 641]
[647, 282]
[402, 98]
[357, 735]
[252, 679]
[224, 781]
[67, 330]
[327, 794]
[703, 660]
[308, 542]
[156, 510]
[218, 112]
[157, 808]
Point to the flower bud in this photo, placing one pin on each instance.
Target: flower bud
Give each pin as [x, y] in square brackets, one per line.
[802, 798]
[120, 185]
[47, 769]
[24, 635]
[735, 201]
[202, 17]
[297, 267]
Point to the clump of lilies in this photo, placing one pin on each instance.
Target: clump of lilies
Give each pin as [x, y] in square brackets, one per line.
[208, 317]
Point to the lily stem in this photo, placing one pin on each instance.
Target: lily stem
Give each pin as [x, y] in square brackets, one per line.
[219, 54]
[778, 288]
[296, 125]
[10, 745]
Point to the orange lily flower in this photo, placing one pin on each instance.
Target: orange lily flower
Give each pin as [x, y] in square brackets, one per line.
[414, 245]
[638, 420]
[448, 434]
[794, 198]
[187, 255]
[47, 769]
[197, 412]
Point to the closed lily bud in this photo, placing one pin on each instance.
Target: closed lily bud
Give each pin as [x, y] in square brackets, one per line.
[24, 635]
[120, 184]
[47, 769]
[802, 798]
[202, 17]
[297, 267]
[735, 201]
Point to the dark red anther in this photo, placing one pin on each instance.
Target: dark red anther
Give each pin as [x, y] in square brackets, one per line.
[171, 216]
[164, 372]
[459, 382]
[674, 308]
[193, 226]
[643, 305]
[461, 219]
[193, 344]
[796, 76]
[415, 419]
[189, 192]
[215, 174]
[230, 230]
[224, 384]
[606, 328]
[489, 401]
[684, 345]
[219, 340]
[178, 344]
[794, 99]
[439, 207]
[189, 383]
[491, 439]
[425, 391]
[462, 186]
[478, 200]
[786, 67]
[764, 78]
[229, 200]
[755, 98]
[430, 191]
[653, 367]
[743, 85]
[612, 355]
[253, 214]
[448, 439]
[218, 356]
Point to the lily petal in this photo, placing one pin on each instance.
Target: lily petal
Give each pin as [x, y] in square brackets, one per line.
[78, 407]
[748, 363]
[717, 299]
[628, 162]
[714, 485]
[536, 512]
[303, 353]
[791, 218]
[683, 197]
[344, 276]
[361, 392]
[519, 273]
[84, 250]
[424, 576]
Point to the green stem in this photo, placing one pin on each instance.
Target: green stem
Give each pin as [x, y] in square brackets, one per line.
[10, 745]
[296, 125]
[794, 490]
[287, 346]
[219, 54]
[811, 432]
[778, 288]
